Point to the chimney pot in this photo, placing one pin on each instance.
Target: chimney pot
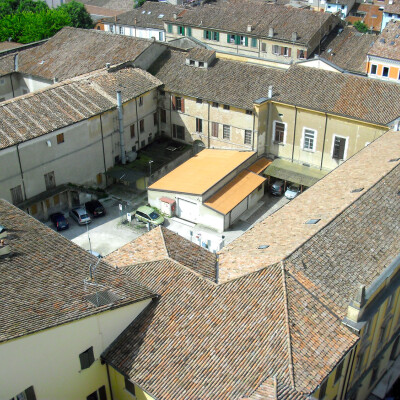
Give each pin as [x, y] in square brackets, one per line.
[249, 28]
[270, 92]
[175, 16]
[294, 36]
[271, 32]
[108, 65]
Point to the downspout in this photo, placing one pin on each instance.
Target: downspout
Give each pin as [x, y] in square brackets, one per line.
[20, 168]
[121, 127]
[12, 86]
[109, 382]
[208, 124]
[137, 125]
[294, 131]
[170, 116]
[323, 144]
[268, 116]
[254, 124]
[102, 143]
[348, 372]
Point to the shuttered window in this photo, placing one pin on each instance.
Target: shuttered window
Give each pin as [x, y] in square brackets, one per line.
[226, 132]
[199, 125]
[163, 116]
[253, 42]
[279, 132]
[214, 129]
[247, 137]
[141, 125]
[178, 132]
[169, 28]
[16, 195]
[181, 30]
[178, 103]
[50, 180]
[189, 31]
[87, 358]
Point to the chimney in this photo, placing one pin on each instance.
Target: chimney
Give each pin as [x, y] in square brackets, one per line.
[359, 299]
[108, 65]
[16, 62]
[249, 28]
[121, 127]
[4, 248]
[270, 92]
[271, 32]
[135, 21]
[175, 16]
[390, 1]
[294, 36]
[55, 80]
[115, 18]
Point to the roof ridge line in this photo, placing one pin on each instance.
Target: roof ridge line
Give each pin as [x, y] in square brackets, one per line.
[291, 371]
[165, 245]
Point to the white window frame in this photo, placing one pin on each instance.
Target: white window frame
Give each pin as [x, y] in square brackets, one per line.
[388, 72]
[226, 132]
[273, 133]
[303, 139]
[247, 131]
[376, 71]
[334, 136]
[121, 30]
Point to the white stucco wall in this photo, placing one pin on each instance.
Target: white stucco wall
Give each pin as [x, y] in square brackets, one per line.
[49, 360]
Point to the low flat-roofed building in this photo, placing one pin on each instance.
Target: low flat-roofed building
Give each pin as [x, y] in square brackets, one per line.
[214, 188]
[61, 308]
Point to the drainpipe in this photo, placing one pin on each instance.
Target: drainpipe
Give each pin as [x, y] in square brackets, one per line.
[323, 143]
[208, 124]
[254, 125]
[12, 86]
[121, 127]
[294, 131]
[137, 125]
[102, 142]
[22, 175]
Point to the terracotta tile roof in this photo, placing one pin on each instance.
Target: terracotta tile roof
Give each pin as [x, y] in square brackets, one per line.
[260, 165]
[286, 230]
[123, 5]
[200, 54]
[388, 43]
[201, 172]
[348, 50]
[221, 82]
[102, 11]
[147, 16]
[42, 282]
[393, 8]
[234, 16]
[9, 45]
[68, 102]
[161, 243]
[234, 192]
[372, 18]
[6, 64]
[355, 97]
[72, 52]
[225, 341]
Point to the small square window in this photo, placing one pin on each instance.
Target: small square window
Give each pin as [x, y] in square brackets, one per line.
[130, 387]
[214, 104]
[226, 107]
[385, 72]
[87, 358]
[199, 101]
[140, 101]
[249, 112]
[60, 138]
[201, 64]
[264, 47]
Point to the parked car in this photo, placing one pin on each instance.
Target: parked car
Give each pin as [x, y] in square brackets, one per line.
[277, 188]
[59, 221]
[292, 191]
[148, 214]
[95, 208]
[80, 216]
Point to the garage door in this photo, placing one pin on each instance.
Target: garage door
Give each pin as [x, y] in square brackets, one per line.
[187, 210]
[238, 210]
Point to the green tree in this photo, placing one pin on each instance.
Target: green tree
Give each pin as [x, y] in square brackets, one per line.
[8, 7]
[361, 27]
[138, 3]
[31, 5]
[80, 18]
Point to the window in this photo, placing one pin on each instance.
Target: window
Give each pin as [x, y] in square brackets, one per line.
[230, 39]
[27, 394]
[359, 363]
[155, 119]
[374, 68]
[300, 54]
[163, 116]
[215, 36]
[382, 335]
[140, 101]
[189, 31]
[60, 138]
[181, 30]
[322, 390]
[150, 137]
[264, 47]
[279, 132]
[98, 394]
[309, 139]
[247, 137]
[178, 132]
[243, 40]
[132, 131]
[178, 103]
[201, 64]
[286, 51]
[385, 72]
[130, 387]
[249, 112]
[389, 304]
[211, 35]
[253, 42]
[86, 358]
[214, 104]
[199, 101]
[339, 147]
[162, 92]
[16, 194]
[169, 28]
[226, 132]
[226, 107]
[121, 30]
[214, 129]
[199, 125]
[141, 125]
[275, 49]
[50, 180]
[339, 370]
[367, 328]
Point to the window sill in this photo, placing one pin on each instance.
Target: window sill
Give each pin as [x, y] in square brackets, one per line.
[309, 150]
[279, 143]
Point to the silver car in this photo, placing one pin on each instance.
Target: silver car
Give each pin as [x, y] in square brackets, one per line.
[80, 216]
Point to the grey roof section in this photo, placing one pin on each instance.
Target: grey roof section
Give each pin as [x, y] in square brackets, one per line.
[123, 5]
[202, 55]
[149, 15]
[55, 107]
[388, 43]
[73, 52]
[348, 50]
[235, 16]
[42, 279]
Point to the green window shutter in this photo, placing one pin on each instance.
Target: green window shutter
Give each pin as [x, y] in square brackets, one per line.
[253, 42]
[217, 36]
[183, 30]
[246, 41]
[227, 38]
[189, 31]
[204, 34]
[169, 28]
[237, 39]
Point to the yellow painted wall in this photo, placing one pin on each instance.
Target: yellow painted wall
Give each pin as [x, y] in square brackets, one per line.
[49, 360]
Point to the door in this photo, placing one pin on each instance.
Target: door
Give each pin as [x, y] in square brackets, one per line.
[187, 210]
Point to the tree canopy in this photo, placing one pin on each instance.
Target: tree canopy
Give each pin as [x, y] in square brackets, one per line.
[26, 21]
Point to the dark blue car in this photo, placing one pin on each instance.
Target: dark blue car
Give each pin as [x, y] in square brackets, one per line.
[59, 221]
